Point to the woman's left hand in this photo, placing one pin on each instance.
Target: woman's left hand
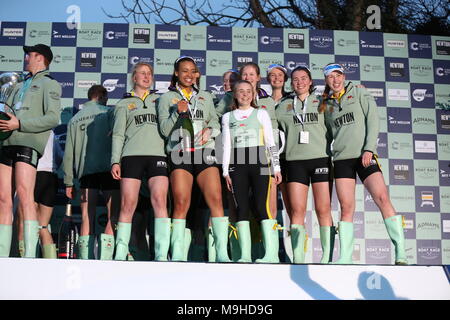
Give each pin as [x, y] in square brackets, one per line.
[278, 178]
[203, 136]
[366, 158]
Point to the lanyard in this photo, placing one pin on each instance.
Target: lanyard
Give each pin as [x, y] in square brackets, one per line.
[26, 85]
[192, 110]
[300, 118]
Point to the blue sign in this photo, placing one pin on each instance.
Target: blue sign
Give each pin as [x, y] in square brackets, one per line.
[371, 44]
[13, 33]
[115, 35]
[63, 36]
[89, 60]
[219, 38]
[167, 37]
[321, 41]
[270, 40]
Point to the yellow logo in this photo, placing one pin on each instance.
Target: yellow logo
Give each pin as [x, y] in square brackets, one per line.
[175, 100]
[290, 107]
[131, 106]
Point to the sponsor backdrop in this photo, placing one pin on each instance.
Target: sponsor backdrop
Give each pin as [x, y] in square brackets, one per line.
[409, 76]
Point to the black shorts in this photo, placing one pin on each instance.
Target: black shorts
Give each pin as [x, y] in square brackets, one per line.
[193, 162]
[100, 181]
[10, 155]
[284, 171]
[138, 167]
[309, 171]
[349, 168]
[46, 188]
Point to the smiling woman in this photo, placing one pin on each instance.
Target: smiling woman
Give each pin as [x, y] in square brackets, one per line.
[185, 103]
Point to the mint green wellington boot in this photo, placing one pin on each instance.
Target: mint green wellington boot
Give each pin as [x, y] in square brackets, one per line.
[86, 247]
[235, 249]
[187, 243]
[177, 240]
[299, 239]
[31, 237]
[220, 234]
[327, 237]
[122, 240]
[394, 226]
[106, 246]
[49, 251]
[5, 239]
[270, 240]
[245, 241]
[162, 238]
[211, 247]
[346, 242]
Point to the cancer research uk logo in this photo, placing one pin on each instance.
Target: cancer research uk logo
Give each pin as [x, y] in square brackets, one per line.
[441, 71]
[139, 55]
[294, 60]
[419, 46]
[115, 35]
[270, 40]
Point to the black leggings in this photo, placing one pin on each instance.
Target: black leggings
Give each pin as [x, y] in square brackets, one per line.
[254, 176]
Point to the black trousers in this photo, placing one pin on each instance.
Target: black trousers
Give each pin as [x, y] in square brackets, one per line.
[255, 178]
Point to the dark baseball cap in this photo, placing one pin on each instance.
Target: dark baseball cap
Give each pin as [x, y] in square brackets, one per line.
[40, 48]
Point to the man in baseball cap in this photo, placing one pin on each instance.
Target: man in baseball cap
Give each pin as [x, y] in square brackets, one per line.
[37, 107]
[41, 49]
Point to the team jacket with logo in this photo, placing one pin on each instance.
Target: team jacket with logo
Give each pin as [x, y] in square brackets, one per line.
[354, 123]
[266, 102]
[310, 120]
[205, 117]
[224, 105]
[39, 112]
[136, 131]
[88, 142]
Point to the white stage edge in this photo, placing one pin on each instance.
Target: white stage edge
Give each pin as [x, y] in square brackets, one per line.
[83, 279]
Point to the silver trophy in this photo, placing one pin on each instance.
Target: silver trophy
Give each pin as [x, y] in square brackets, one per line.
[8, 81]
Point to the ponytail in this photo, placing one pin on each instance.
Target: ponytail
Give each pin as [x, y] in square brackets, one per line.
[325, 97]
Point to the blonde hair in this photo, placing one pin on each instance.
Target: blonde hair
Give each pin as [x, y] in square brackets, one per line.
[137, 66]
